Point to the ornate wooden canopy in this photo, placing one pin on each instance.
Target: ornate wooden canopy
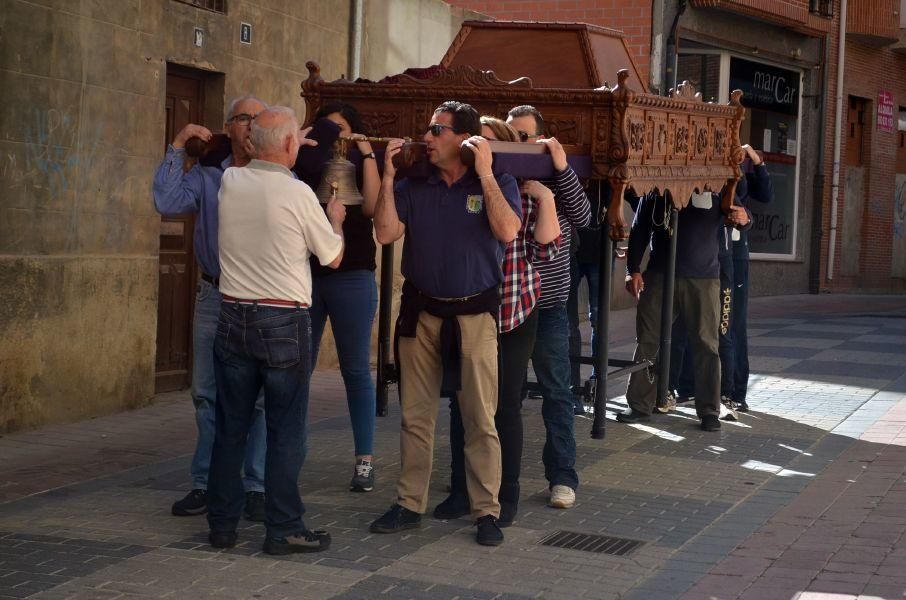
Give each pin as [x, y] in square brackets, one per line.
[672, 144]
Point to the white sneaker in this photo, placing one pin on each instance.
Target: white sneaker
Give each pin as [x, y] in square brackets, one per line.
[562, 496]
[727, 412]
[668, 405]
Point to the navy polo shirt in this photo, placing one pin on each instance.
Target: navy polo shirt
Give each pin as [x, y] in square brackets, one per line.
[449, 250]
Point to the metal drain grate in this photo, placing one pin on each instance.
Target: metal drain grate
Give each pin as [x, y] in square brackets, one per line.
[591, 543]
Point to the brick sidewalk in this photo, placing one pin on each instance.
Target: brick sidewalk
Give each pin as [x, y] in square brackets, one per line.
[802, 497]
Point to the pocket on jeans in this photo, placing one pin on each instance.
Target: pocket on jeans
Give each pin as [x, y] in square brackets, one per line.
[223, 330]
[281, 345]
[202, 290]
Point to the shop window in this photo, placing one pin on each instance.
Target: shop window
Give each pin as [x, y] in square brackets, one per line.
[703, 72]
[771, 95]
[218, 6]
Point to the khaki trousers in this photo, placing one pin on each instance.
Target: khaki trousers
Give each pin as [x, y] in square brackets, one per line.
[420, 381]
[696, 301]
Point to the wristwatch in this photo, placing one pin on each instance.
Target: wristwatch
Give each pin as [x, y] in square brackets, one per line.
[369, 155]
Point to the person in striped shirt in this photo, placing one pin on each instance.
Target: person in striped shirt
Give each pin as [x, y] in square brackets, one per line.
[538, 241]
[550, 357]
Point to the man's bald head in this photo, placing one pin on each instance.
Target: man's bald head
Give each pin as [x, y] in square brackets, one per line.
[275, 135]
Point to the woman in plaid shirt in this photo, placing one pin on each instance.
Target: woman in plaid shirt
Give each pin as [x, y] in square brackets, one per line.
[538, 241]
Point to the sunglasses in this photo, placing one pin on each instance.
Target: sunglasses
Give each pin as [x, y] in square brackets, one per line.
[524, 137]
[437, 128]
[242, 118]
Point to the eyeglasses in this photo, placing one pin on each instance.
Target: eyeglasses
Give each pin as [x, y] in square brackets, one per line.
[242, 118]
[524, 137]
[437, 128]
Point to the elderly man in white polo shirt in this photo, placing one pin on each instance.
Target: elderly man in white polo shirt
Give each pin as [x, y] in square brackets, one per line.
[270, 223]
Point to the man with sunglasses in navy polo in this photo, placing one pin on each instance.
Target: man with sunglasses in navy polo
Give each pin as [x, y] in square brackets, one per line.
[179, 192]
[456, 223]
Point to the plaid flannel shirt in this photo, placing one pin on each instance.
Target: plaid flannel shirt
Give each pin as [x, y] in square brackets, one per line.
[521, 286]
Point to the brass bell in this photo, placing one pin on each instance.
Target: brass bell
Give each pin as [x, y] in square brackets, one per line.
[339, 179]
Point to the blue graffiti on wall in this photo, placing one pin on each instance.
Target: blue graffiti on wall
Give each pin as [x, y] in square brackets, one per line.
[55, 152]
[58, 155]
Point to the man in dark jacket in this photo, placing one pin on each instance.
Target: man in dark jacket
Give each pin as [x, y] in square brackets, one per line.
[697, 285]
[755, 184]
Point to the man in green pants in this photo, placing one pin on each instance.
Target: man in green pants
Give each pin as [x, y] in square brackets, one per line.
[695, 297]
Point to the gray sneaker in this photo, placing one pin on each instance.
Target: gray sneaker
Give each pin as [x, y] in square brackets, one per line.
[303, 542]
[362, 477]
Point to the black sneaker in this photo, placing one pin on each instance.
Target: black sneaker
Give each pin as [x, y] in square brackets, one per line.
[489, 533]
[195, 503]
[454, 506]
[222, 539]
[362, 477]
[254, 507]
[307, 541]
[710, 423]
[632, 416]
[741, 406]
[507, 514]
[396, 519]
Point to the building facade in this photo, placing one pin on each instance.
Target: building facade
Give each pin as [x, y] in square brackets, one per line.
[96, 289]
[784, 56]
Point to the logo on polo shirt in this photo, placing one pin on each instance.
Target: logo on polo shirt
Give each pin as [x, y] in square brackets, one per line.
[474, 203]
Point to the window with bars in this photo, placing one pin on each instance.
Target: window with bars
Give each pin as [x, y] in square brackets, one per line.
[825, 8]
[218, 6]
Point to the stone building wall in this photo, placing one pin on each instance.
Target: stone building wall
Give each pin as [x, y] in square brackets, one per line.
[81, 134]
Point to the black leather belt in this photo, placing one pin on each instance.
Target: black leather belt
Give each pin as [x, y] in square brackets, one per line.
[215, 281]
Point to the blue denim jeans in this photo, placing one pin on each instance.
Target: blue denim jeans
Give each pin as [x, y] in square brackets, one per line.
[255, 347]
[204, 394]
[349, 299]
[550, 361]
[739, 326]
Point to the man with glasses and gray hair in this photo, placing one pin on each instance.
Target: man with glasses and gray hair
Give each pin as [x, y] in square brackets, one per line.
[179, 192]
[270, 223]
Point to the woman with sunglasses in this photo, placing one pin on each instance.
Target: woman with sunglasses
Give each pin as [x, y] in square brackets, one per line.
[348, 295]
[538, 240]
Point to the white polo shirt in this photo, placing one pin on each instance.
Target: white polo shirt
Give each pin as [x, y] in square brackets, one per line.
[269, 225]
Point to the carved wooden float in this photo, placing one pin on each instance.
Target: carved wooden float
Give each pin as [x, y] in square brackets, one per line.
[672, 145]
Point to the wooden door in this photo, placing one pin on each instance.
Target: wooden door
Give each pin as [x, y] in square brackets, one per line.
[178, 273]
[855, 144]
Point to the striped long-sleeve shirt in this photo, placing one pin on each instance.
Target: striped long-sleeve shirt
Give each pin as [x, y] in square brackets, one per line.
[573, 211]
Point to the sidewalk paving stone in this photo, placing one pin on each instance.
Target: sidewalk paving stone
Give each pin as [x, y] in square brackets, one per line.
[801, 498]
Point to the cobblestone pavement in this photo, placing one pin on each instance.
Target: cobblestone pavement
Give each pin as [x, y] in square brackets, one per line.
[802, 498]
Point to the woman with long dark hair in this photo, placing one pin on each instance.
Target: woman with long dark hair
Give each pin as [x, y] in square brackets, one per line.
[348, 295]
